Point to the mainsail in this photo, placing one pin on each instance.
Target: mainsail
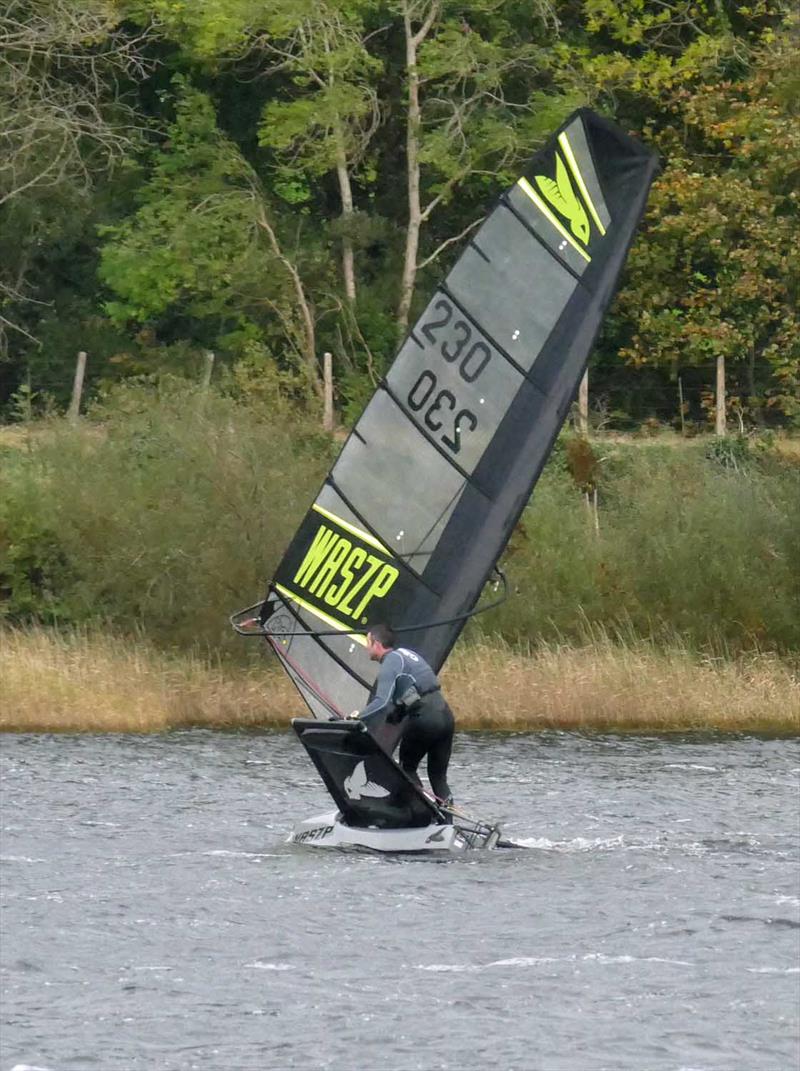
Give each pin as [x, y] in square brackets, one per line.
[420, 503]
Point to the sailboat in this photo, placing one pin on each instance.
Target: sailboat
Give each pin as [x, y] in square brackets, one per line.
[412, 518]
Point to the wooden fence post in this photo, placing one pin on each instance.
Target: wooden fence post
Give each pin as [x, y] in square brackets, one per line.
[722, 424]
[583, 405]
[680, 405]
[327, 384]
[77, 388]
[208, 369]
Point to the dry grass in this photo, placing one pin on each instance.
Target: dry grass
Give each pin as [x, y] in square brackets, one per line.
[610, 686]
[73, 682]
[32, 434]
[789, 447]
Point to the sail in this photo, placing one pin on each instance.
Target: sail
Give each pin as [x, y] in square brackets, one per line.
[423, 497]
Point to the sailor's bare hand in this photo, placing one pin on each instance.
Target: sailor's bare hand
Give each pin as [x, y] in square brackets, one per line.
[353, 714]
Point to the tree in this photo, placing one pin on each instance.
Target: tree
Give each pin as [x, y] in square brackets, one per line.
[63, 123]
[196, 245]
[328, 119]
[719, 262]
[470, 76]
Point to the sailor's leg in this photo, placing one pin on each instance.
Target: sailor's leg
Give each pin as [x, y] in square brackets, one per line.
[439, 755]
[412, 748]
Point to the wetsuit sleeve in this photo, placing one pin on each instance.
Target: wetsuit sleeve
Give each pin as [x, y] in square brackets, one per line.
[391, 667]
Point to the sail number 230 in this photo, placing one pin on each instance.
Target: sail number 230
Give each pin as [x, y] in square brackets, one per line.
[438, 406]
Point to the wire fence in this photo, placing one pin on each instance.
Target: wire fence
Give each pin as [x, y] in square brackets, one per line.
[620, 396]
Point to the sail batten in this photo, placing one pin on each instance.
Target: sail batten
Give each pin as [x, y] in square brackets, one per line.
[430, 483]
[448, 293]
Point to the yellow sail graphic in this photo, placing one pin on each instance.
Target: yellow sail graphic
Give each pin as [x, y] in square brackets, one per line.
[562, 197]
[322, 616]
[566, 148]
[527, 189]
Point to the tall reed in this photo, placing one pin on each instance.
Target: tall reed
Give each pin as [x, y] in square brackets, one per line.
[612, 685]
[73, 681]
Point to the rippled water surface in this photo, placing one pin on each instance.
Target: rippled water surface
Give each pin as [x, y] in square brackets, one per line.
[153, 917]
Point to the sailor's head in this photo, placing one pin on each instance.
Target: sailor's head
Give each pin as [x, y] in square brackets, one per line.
[380, 639]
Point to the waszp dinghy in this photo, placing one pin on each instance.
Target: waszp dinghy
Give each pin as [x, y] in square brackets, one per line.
[410, 522]
[379, 807]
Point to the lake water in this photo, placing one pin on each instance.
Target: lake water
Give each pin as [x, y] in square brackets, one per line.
[153, 917]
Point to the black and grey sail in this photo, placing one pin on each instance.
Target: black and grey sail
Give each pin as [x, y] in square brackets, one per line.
[417, 509]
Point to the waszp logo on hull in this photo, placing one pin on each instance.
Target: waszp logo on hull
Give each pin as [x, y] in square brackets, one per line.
[318, 833]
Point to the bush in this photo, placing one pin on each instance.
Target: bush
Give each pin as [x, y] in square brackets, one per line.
[684, 546]
[34, 572]
[172, 507]
[170, 510]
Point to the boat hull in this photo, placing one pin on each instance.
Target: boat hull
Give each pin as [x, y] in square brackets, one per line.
[328, 831]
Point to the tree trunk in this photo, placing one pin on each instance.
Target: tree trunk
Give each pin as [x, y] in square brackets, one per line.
[721, 427]
[346, 194]
[412, 178]
[413, 128]
[327, 381]
[309, 350]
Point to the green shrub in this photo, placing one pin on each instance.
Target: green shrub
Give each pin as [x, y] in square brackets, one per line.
[35, 576]
[684, 545]
[172, 508]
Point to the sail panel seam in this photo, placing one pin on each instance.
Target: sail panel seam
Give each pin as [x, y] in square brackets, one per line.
[445, 289]
[429, 439]
[331, 481]
[480, 252]
[506, 203]
[530, 192]
[338, 625]
[530, 374]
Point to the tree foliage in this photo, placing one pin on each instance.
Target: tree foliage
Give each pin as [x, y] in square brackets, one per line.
[64, 122]
[295, 176]
[720, 260]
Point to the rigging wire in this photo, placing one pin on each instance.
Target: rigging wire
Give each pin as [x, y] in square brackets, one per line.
[312, 686]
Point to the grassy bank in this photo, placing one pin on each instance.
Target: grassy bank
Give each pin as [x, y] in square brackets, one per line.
[168, 508]
[76, 682]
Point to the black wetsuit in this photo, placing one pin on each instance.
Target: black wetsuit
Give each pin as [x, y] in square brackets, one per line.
[427, 727]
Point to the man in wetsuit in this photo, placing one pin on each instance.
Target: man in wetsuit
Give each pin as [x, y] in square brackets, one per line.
[407, 685]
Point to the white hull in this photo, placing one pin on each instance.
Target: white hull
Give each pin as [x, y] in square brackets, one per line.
[327, 831]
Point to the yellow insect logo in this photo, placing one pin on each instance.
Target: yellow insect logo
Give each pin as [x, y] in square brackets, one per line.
[563, 198]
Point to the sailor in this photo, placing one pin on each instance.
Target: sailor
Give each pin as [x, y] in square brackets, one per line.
[409, 688]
